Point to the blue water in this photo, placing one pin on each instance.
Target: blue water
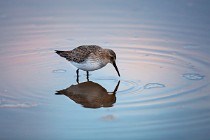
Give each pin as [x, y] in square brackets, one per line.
[163, 56]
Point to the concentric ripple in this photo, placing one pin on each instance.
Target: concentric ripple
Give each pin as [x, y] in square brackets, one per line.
[168, 77]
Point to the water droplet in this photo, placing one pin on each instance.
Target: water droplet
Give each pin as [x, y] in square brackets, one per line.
[59, 71]
[193, 76]
[153, 85]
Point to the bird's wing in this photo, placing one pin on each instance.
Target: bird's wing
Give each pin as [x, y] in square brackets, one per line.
[80, 53]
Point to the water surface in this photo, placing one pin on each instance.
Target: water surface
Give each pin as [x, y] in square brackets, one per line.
[163, 56]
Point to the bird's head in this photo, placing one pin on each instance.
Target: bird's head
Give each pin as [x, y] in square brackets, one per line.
[112, 59]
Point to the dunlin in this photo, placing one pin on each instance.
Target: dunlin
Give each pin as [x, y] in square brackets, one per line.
[90, 57]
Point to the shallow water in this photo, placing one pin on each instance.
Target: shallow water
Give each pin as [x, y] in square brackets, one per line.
[163, 56]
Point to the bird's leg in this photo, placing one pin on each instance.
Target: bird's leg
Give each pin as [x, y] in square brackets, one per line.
[87, 75]
[77, 76]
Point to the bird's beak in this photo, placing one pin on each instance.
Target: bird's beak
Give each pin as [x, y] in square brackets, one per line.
[115, 66]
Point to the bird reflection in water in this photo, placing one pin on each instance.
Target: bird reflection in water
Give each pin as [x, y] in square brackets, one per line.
[90, 94]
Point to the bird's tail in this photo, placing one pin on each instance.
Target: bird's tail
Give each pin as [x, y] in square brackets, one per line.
[64, 54]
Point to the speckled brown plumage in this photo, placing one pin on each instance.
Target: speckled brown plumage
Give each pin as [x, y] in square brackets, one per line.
[89, 57]
[80, 53]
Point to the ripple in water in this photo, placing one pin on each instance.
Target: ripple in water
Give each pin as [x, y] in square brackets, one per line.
[193, 76]
[59, 71]
[6, 103]
[153, 85]
[130, 87]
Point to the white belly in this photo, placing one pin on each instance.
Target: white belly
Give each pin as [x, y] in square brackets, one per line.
[89, 65]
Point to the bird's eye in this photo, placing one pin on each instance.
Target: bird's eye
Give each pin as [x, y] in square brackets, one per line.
[112, 58]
